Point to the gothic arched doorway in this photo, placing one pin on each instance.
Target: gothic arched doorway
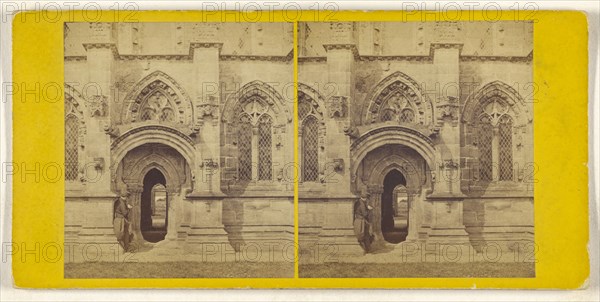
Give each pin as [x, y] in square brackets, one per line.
[397, 179]
[155, 175]
[394, 207]
[154, 217]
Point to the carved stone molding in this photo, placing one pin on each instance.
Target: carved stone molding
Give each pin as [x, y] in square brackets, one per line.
[312, 59]
[150, 128]
[287, 58]
[376, 131]
[349, 47]
[514, 59]
[180, 57]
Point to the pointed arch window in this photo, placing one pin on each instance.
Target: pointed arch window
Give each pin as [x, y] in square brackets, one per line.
[255, 140]
[407, 116]
[74, 129]
[310, 149]
[485, 134]
[71, 147]
[158, 107]
[396, 107]
[264, 147]
[505, 148]
[244, 148]
[310, 119]
[495, 136]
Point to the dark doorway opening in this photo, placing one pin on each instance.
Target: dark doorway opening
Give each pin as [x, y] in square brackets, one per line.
[154, 207]
[394, 208]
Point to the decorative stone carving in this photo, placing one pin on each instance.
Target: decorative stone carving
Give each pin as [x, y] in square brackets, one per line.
[307, 105]
[98, 105]
[99, 163]
[504, 96]
[158, 97]
[209, 163]
[338, 106]
[256, 98]
[449, 164]
[338, 165]
[111, 130]
[434, 132]
[351, 131]
[448, 110]
[151, 128]
[398, 98]
[390, 129]
[209, 109]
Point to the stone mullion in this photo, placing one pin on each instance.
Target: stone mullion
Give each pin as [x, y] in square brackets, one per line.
[495, 153]
[255, 150]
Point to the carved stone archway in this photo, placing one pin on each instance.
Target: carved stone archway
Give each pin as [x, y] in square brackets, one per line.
[389, 135]
[151, 134]
[134, 167]
[405, 160]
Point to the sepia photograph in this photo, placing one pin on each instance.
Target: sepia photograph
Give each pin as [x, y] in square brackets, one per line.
[179, 150]
[267, 147]
[416, 149]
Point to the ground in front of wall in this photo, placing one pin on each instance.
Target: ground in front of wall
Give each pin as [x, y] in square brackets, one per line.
[418, 270]
[181, 269]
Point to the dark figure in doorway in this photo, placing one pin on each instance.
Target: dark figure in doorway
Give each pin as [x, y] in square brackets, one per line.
[362, 222]
[121, 221]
